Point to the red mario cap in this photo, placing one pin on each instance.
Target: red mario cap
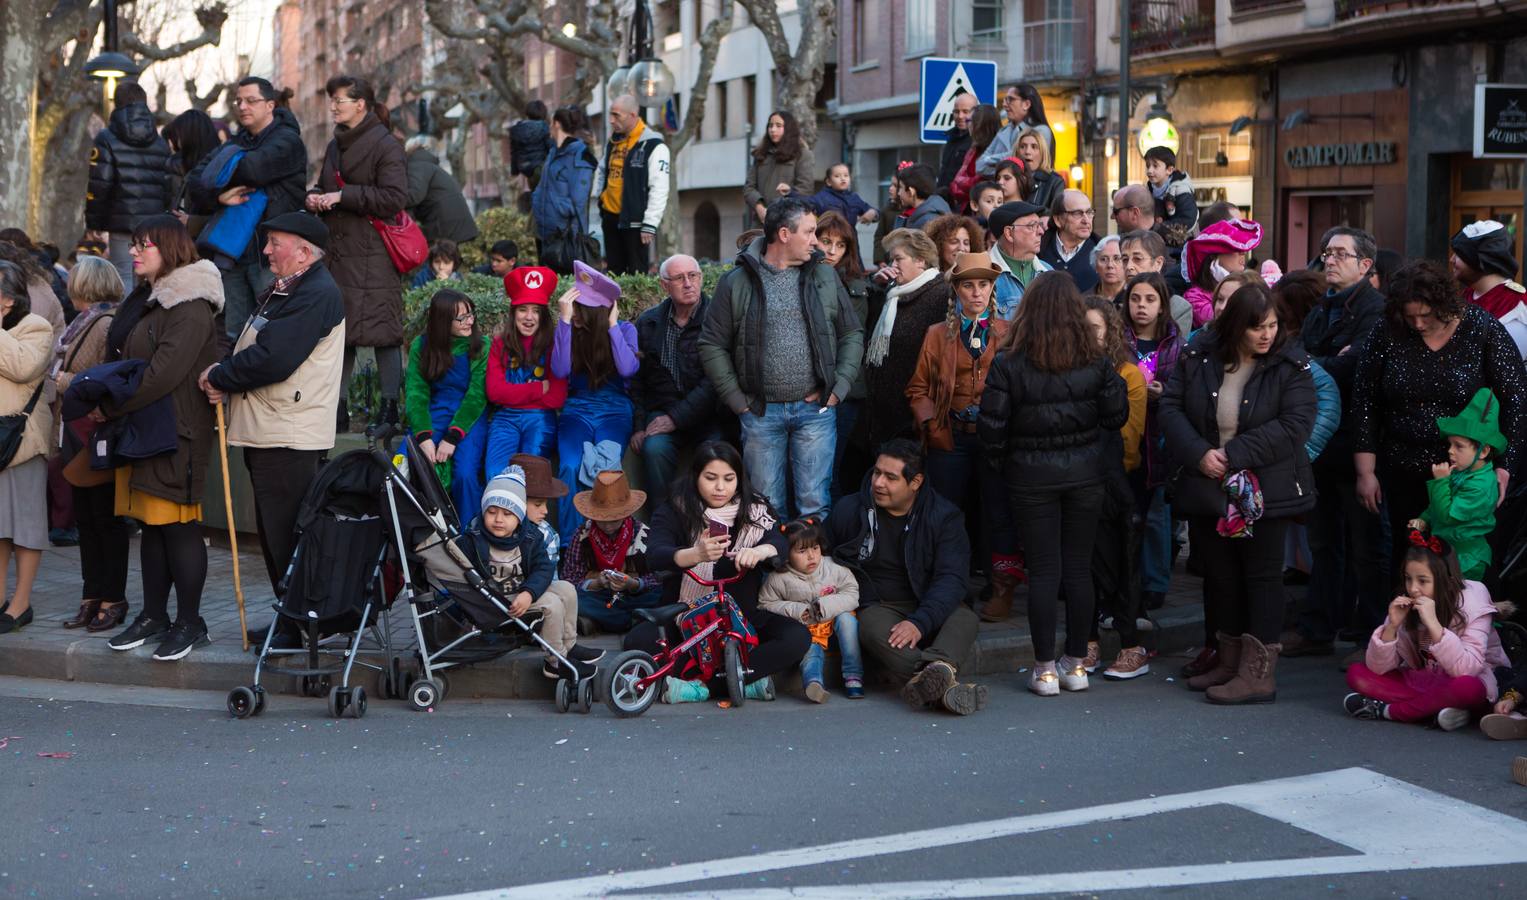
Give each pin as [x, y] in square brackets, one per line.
[530, 284]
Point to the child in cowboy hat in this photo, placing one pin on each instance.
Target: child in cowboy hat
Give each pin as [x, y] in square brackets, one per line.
[606, 558]
[541, 488]
[1463, 490]
[515, 560]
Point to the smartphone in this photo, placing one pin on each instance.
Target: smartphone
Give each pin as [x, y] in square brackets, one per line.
[717, 529]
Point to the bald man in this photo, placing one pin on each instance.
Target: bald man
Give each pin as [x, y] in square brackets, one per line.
[633, 188]
[1134, 209]
[956, 140]
[1067, 245]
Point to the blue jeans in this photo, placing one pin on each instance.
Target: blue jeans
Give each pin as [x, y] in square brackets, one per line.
[587, 418]
[512, 431]
[614, 617]
[798, 435]
[846, 629]
[660, 459]
[241, 285]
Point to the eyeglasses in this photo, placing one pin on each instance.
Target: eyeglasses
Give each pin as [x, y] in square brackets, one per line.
[1032, 226]
[1110, 260]
[335, 101]
[143, 245]
[1081, 213]
[465, 317]
[247, 101]
[689, 277]
[1337, 256]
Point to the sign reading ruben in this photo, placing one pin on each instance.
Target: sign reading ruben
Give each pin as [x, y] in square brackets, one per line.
[1500, 120]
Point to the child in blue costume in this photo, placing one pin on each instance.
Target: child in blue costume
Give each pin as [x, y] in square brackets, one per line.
[445, 397]
[596, 353]
[524, 394]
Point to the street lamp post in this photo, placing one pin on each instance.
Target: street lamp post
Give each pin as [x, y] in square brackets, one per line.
[111, 64]
[645, 77]
[1124, 105]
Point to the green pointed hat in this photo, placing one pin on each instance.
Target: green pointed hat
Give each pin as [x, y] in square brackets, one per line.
[1479, 422]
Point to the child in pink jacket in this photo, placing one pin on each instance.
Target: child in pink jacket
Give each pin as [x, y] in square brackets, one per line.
[1435, 655]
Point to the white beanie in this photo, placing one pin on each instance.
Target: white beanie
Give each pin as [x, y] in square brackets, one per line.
[506, 491]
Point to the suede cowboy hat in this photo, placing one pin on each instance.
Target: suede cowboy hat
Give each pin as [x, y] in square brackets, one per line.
[972, 267]
[611, 499]
[1479, 422]
[304, 225]
[539, 480]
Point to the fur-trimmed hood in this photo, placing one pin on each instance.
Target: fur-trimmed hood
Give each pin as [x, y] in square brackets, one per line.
[200, 280]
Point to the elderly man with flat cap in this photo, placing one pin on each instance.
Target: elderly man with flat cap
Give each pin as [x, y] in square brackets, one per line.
[1018, 232]
[1482, 260]
[282, 380]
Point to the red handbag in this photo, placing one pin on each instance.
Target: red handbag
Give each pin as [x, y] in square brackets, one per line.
[405, 242]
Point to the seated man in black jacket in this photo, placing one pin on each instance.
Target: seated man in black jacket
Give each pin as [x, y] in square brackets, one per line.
[907, 547]
[674, 399]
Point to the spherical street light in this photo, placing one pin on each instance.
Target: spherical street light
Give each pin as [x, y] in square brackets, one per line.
[651, 82]
[1159, 130]
[619, 83]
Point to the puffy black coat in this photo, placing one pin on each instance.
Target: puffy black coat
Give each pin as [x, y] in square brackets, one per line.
[1324, 340]
[529, 145]
[689, 401]
[436, 202]
[1277, 415]
[274, 159]
[1046, 429]
[129, 175]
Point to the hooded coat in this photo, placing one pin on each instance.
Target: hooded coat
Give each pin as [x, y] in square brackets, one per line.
[129, 174]
[436, 202]
[370, 162]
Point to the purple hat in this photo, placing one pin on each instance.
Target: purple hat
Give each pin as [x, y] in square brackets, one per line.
[594, 287]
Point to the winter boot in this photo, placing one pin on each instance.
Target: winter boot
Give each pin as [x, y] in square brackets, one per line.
[1006, 574]
[390, 412]
[1228, 662]
[1255, 681]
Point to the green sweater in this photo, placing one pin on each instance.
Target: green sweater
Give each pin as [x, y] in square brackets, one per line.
[417, 392]
[1462, 512]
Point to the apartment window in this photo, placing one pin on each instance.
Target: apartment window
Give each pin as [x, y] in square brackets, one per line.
[922, 26]
[1053, 38]
[750, 103]
[986, 21]
[722, 113]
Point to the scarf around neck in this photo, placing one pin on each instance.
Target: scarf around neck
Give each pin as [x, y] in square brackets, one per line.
[880, 340]
[610, 549]
[759, 523]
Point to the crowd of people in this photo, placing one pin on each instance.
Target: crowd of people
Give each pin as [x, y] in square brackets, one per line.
[1005, 396]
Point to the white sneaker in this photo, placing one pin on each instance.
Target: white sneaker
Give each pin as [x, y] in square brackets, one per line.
[1043, 680]
[1452, 718]
[1073, 674]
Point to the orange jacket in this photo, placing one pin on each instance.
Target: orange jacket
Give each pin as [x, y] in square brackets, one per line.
[947, 379]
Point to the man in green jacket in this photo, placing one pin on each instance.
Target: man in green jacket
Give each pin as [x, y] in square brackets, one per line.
[782, 346]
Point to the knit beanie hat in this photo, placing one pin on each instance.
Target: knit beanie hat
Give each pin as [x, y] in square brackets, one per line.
[506, 491]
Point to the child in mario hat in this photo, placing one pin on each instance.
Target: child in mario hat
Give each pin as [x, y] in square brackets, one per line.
[523, 393]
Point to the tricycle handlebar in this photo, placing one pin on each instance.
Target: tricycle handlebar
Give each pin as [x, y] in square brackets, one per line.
[718, 583]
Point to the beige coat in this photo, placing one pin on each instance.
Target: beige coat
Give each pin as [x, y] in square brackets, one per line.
[791, 594]
[25, 354]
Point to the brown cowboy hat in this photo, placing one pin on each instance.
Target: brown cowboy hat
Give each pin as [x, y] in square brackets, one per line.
[970, 266]
[610, 500]
[539, 481]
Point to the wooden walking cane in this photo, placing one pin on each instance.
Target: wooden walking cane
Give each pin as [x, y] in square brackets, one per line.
[233, 535]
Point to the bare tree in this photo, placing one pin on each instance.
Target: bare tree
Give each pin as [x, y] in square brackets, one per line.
[798, 74]
[710, 45]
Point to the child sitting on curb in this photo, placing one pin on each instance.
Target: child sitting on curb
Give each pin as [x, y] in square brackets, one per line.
[1463, 491]
[822, 595]
[541, 488]
[606, 558]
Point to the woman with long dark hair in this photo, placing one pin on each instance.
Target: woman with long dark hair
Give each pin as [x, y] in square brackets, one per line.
[840, 249]
[521, 387]
[715, 524]
[25, 344]
[1014, 179]
[445, 396]
[596, 351]
[781, 165]
[168, 322]
[1051, 398]
[364, 176]
[192, 135]
[1236, 415]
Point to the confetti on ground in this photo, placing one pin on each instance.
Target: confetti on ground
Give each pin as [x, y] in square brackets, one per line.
[6, 740]
[561, 742]
[64, 754]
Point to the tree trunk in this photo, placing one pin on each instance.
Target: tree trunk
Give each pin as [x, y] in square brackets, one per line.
[20, 35]
[61, 214]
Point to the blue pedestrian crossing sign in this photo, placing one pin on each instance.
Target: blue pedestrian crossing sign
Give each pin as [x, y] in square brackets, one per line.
[946, 79]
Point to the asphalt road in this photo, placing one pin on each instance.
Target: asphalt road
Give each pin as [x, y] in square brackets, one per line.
[162, 795]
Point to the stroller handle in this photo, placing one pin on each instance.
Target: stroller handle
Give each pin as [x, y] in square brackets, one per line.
[718, 583]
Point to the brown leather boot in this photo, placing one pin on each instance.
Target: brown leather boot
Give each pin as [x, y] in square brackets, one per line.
[1000, 605]
[1228, 663]
[1255, 681]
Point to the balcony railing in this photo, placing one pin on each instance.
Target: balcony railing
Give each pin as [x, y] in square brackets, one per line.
[1159, 26]
[1241, 6]
[1351, 9]
[1056, 40]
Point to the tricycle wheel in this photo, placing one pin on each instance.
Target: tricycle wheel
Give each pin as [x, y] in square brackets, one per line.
[735, 687]
[623, 693]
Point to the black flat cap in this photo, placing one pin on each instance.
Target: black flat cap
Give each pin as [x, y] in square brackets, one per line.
[304, 225]
[1010, 212]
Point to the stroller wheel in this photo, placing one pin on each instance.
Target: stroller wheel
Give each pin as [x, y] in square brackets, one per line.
[259, 694]
[445, 687]
[339, 698]
[564, 695]
[585, 695]
[736, 688]
[424, 694]
[358, 702]
[241, 702]
[623, 693]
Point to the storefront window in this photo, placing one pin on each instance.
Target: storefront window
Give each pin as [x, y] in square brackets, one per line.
[1490, 175]
[1488, 189]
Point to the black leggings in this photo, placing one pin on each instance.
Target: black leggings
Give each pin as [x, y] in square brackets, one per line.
[173, 555]
[103, 543]
[1058, 527]
[1114, 551]
[389, 371]
[782, 642]
[1243, 577]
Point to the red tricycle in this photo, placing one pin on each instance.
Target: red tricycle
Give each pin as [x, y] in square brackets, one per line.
[713, 629]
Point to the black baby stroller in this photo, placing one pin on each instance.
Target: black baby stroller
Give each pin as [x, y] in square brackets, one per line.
[332, 592]
[460, 618]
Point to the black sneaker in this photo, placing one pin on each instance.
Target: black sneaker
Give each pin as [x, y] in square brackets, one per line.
[555, 670]
[1360, 707]
[142, 630]
[180, 640]
[580, 653]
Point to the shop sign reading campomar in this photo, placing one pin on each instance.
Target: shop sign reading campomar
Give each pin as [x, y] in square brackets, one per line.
[1362, 153]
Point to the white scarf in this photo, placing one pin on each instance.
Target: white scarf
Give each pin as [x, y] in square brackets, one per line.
[690, 591]
[880, 340]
